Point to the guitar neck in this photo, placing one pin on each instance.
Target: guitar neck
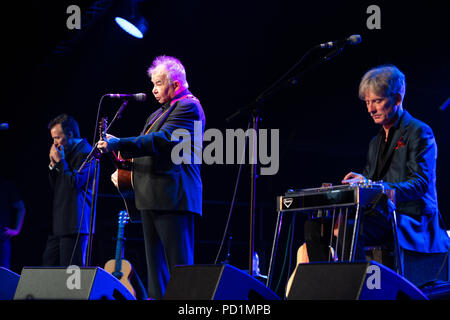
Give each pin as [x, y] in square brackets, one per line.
[119, 247]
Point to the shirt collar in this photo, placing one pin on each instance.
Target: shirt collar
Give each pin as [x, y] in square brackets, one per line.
[165, 105]
[74, 145]
[400, 115]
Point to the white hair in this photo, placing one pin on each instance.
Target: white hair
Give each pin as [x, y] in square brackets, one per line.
[174, 69]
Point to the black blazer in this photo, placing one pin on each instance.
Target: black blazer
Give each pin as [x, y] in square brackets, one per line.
[71, 200]
[159, 183]
[411, 172]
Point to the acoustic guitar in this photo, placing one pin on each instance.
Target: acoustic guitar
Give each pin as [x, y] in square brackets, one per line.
[119, 267]
[302, 256]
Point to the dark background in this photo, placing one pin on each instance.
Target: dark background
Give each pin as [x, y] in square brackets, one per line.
[232, 51]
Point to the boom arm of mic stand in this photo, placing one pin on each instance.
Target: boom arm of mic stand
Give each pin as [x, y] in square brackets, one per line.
[294, 80]
[333, 53]
[118, 114]
[278, 84]
[255, 116]
[271, 88]
[250, 108]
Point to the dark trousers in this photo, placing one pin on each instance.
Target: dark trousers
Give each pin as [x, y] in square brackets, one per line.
[59, 250]
[169, 241]
[375, 230]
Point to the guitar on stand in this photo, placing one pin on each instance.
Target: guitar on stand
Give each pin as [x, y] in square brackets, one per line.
[119, 267]
[338, 202]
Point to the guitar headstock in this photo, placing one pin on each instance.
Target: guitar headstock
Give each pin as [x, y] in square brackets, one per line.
[103, 125]
[123, 217]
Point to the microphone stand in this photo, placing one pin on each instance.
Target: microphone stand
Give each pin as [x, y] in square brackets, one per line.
[253, 176]
[96, 154]
[255, 115]
[93, 211]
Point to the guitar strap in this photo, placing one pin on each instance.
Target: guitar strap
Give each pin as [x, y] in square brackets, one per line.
[162, 116]
[159, 119]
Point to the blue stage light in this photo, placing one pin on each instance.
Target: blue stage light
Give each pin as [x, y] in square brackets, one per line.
[136, 30]
[130, 20]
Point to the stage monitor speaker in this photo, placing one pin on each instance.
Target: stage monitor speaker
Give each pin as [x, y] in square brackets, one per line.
[8, 283]
[215, 282]
[71, 283]
[440, 290]
[351, 281]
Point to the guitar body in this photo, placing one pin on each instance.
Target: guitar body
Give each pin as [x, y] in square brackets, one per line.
[124, 174]
[126, 270]
[125, 184]
[302, 255]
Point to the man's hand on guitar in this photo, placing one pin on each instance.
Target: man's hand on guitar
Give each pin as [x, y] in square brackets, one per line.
[353, 177]
[111, 143]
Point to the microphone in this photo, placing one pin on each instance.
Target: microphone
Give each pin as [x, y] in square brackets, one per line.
[134, 96]
[4, 126]
[353, 39]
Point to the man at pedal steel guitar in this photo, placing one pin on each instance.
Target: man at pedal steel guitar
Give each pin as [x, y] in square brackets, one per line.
[168, 195]
[402, 156]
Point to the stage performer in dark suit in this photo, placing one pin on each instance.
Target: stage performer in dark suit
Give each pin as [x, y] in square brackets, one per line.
[403, 158]
[168, 189]
[67, 244]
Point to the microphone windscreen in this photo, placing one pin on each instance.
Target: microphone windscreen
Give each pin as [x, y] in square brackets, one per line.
[354, 39]
[141, 97]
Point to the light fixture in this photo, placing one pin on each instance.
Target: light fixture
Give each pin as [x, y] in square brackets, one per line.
[130, 20]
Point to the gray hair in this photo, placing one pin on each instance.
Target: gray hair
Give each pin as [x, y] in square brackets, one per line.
[174, 69]
[385, 80]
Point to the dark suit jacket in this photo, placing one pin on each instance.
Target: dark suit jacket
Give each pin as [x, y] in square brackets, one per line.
[71, 200]
[159, 183]
[411, 172]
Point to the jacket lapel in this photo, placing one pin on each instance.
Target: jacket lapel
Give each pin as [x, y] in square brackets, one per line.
[157, 121]
[377, 145]
[399, 133]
